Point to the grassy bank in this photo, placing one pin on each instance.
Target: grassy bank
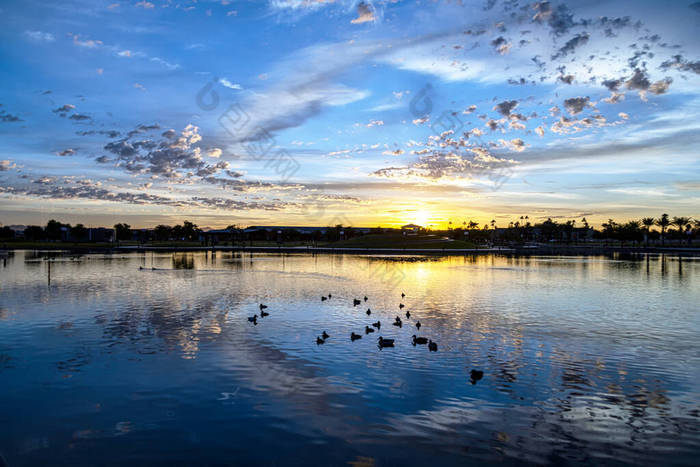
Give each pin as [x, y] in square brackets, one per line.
[393, 240]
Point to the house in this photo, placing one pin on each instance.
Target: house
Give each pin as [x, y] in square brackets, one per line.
[411, 228]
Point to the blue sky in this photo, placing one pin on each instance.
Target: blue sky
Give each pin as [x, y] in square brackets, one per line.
[306, 112]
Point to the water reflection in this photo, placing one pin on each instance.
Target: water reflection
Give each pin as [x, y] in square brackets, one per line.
[584, 359]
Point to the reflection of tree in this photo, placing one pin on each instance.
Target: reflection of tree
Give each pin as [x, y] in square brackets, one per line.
[183, 261]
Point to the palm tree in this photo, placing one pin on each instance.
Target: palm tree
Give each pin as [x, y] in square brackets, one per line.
[473, 225]
[648, 222]
[680, 222]
[663, 222]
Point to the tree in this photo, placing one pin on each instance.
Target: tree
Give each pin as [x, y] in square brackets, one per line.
[6, 232]
[53, 229]
[33, 232]
[648, 222]
[79, 232]
[663, 222]
[680, 222]
[123, 231]
[162, 232]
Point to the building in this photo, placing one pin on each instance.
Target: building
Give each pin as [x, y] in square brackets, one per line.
[411, 228]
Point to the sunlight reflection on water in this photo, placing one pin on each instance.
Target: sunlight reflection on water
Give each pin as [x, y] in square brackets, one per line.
[584, 359]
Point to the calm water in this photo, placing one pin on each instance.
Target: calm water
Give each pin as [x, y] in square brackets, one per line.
[585, 360]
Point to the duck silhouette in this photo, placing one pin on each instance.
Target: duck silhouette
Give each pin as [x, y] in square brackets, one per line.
[432, 346]
[475, 375]
[262, 307]
[320, 341]
[397, 322]
[385, 342]
[377, 325]
[354, 337]
[365, 297]
[356, 302]
[325, 335]
[253, 319]
[403, 295]
[418, 325]
[368, 330]
[369, 312]
[419, 340]
[408, 314]
[324, 298]
[330, 296]
[264, 313]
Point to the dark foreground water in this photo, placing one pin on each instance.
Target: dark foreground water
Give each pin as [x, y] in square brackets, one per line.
[585, 360]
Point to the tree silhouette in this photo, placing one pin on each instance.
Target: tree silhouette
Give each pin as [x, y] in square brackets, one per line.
[648, 222]
[663, 222]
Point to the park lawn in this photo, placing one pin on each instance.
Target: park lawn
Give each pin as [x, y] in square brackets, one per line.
[394, 240]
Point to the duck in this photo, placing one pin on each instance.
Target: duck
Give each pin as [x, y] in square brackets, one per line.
[397, 323]
[262, 307]
[365, 297]
[325, 335]
[324, 298]
[432, 346]
[385, 342]
[401, 305]
[354, 337]
[408, 314]
[475, 375]
[419, 340]
[330, 296]
[320, 341]
[368, 330]
[369, 312]
[403, 295]
[264, 313]
[418, 325]
[253, 319]
[355, 302]
[377, 325]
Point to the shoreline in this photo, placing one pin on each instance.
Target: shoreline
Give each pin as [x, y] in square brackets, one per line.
[570, 250]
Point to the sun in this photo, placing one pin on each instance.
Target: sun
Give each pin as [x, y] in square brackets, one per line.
[421, 218]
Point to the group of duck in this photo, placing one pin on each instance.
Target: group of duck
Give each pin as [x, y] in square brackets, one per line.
[475, 375]
[381, 341]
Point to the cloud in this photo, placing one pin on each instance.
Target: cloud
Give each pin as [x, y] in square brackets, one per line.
[575, 105]
[66, 152]
[229, 84]
[39, 36]
[145, 5]
[80, 117]
[504, 108]
[86, 43]
[6, 165]
[214, 152]
[501, 45]
[6, 117]
[571, 45]
[679, 63]
[64, 109]
[365, 13]
[395, 152]
[375, 123]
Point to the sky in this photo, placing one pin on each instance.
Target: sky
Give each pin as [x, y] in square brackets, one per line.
[361, 113]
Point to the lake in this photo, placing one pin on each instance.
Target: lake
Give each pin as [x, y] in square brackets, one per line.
[106, 360]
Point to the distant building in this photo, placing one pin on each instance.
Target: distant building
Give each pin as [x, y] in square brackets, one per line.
[412, 228]
[101, 235]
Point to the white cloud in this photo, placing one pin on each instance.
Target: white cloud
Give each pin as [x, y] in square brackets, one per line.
[229, 84]
[39, 36]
